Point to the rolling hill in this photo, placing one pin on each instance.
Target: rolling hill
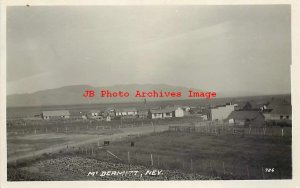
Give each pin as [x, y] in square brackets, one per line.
[70, 95]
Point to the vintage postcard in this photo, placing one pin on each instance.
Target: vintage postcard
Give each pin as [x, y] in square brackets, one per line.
[149, 93]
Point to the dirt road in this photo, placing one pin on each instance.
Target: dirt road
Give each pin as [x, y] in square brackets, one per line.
[101, 138]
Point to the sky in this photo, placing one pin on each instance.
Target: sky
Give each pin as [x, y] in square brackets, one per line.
[229, 49]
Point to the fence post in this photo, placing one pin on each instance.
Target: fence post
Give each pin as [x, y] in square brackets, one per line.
[128, 156]
[223, 167]
[151, 157]
[262, 171]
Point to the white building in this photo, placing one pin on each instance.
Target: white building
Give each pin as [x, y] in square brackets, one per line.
[179, 112]
[168, 112]
[126, 112]
[222, 112]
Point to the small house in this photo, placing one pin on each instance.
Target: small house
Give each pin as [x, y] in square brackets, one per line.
[167, 112]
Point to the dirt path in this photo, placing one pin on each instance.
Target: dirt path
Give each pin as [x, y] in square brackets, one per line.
[101, 138]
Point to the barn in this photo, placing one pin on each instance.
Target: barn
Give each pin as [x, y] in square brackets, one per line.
[246, 118]
[56, 114]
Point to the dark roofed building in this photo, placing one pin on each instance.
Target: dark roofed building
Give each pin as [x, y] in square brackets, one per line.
[56, 114]
[248, 105]
[279, 112]
[161, 113]
[246, 118]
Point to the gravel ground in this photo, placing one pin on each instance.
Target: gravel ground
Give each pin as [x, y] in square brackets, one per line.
[68, 168]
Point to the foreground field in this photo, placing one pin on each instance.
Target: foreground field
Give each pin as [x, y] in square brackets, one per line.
[26, 146]
[193, 155]
[71, 167]
[252, 157]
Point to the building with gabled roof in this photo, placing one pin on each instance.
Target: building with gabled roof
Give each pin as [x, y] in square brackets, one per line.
[56, 114]
[167, 112]
[246, 118]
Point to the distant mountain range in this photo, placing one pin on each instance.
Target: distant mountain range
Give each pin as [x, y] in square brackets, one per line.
[71, 95]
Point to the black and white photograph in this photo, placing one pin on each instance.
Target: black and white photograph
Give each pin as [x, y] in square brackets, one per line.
[166, 92]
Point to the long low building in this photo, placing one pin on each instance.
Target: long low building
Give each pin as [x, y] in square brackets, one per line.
[126, 112]
[279, 112]
[168, 112]
[56, 114]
